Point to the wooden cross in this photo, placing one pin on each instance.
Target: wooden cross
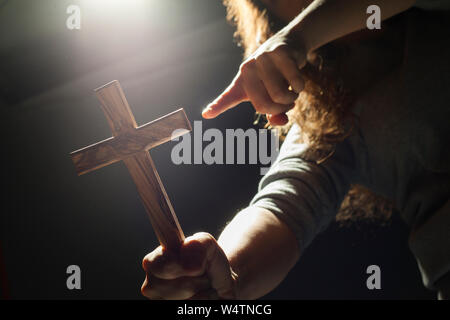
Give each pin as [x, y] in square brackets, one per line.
[130, 144]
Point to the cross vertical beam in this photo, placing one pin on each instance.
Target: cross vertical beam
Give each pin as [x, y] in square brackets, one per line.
[131, 144]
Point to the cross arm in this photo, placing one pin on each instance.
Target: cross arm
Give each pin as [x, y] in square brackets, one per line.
[125, 145]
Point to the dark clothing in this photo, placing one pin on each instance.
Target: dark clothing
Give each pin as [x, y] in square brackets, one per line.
[400, 150]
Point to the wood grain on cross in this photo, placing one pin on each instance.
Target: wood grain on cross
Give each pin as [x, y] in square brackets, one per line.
[130, 144]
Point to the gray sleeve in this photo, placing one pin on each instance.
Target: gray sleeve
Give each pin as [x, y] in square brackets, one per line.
[303, 194]
[433, 4]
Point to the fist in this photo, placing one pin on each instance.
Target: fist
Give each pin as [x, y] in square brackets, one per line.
[198, 270]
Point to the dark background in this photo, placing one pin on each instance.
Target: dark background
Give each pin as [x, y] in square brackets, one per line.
[166, 54]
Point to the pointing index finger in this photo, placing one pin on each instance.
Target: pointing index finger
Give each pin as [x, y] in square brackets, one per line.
[231, 97]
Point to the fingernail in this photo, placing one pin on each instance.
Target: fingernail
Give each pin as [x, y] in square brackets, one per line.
[206, 111]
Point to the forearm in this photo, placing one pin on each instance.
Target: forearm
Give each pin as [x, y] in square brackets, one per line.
[261, 250]
[326, 20]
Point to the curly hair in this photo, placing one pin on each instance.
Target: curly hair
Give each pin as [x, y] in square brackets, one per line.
[323, 109]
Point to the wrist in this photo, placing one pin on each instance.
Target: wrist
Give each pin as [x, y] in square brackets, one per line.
[236, 284]
[237, 273]
[296, 38]
[307, 28]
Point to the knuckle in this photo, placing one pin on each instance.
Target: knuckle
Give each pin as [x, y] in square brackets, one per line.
[296, 78]
[292, 71]
[150, 260]
[145, 264]
[144, 287]
[195, 251]
[154, 288]
[205, 238]
[155, 264]
[261, 107]
[147, 290]
[261, 58]
[279, 95]
[247, 66]
[202, 246]
[297, 84]
[301, 62]
[143, 291]
[281, 49]
[162, 267]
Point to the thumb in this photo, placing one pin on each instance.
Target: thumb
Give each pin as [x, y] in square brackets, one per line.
[231, 97]
[214, 264]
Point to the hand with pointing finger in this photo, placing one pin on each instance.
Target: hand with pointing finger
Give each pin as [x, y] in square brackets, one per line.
[270, 79]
